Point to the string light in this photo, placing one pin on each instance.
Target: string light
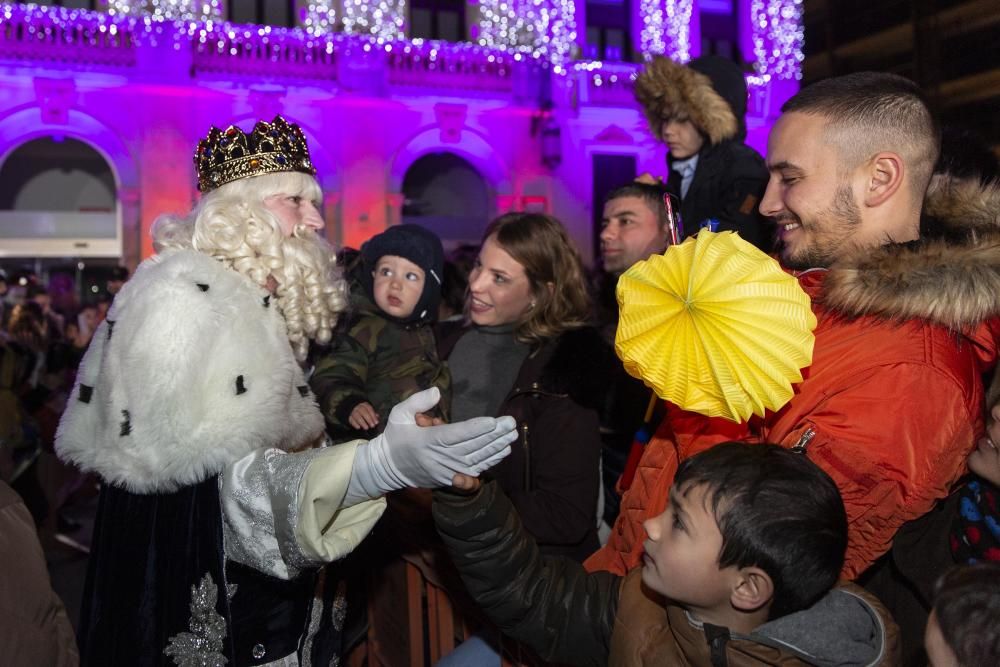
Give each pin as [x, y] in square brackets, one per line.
[651, 38]
[320, 18]
[542, 29]
[169, 10]
[385, 19]
[667, 28]
[777, 40]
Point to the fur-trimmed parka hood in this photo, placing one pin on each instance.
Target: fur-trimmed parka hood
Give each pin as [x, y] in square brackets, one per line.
[950, 276]
[710, 91]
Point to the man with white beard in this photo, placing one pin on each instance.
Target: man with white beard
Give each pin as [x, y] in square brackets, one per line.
[218, 500]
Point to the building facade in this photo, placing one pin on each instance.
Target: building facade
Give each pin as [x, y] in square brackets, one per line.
[437, 112]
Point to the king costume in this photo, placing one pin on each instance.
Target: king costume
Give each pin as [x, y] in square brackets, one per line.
[187, 404]
[219, 501]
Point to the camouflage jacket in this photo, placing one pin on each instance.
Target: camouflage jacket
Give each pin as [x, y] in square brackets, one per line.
[377, 360]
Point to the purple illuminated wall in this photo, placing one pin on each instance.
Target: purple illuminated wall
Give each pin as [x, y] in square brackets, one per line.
[142, 92]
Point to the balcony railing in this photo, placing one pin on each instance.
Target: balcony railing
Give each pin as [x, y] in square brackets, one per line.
[604, 84]
[449, 66]
[68, 36]
[263, 53]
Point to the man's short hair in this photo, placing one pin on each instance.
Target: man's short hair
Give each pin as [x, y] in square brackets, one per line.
[869, 112]
[650, 194]
[967, 606]
[776, 510]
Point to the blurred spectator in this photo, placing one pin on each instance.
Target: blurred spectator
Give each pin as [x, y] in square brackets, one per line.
[118, 276]
[34, 627]
[55, 323]
[963, 628]
[4, 289]
[87, 321]
[103, 304]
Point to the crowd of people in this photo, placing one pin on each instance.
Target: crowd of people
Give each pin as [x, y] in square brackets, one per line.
[251, 409]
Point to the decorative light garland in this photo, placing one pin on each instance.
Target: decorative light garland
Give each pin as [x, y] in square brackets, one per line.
[383, 19]
[320, 17]
[169, 10]
[543, 29]
[666, 28]
[678, 29]
[651, 38]
[777, 40]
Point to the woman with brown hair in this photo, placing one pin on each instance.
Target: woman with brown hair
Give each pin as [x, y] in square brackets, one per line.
[526, 351]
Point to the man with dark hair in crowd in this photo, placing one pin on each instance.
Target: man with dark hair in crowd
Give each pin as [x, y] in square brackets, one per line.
[698, 111]
[891, 404]
[634, 226]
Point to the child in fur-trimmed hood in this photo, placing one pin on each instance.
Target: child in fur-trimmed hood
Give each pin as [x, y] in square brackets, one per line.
[697, 110]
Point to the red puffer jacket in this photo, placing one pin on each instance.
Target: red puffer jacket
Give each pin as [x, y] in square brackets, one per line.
[892, 403]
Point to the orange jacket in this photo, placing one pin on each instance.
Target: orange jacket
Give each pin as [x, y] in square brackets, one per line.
[889, 410]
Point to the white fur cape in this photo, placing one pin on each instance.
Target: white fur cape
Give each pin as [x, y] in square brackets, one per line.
[191, 370]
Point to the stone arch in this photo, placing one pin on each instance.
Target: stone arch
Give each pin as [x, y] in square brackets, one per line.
[26, 124]
[471, 146]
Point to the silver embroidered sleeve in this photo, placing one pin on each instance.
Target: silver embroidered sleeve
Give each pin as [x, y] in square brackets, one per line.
[260, 510]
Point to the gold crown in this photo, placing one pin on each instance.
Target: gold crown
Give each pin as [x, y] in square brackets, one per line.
[223, 157]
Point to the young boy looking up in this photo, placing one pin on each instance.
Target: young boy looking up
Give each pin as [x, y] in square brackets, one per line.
[740, 570]
[388, 351]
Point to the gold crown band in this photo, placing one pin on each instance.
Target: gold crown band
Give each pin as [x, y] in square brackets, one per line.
[224, 157]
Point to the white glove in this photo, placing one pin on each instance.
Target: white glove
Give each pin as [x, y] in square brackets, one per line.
[407, 455]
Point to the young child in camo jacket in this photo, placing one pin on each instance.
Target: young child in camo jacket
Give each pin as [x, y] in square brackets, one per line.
[386, 351]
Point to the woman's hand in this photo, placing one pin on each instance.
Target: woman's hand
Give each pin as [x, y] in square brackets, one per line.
[363, 417]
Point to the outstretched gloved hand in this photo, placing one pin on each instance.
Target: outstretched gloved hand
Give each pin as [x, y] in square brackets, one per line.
[408, 455]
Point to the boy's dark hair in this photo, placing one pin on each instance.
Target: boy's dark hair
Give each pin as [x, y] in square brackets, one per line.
[776, 510]
[651, 195]
[967, 606]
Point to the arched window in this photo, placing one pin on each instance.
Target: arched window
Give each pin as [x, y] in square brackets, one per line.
[58, 198]
[445, 194]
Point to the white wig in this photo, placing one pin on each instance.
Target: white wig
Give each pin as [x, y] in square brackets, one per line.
[232, 225]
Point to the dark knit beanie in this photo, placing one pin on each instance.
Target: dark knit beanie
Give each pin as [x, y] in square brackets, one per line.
[420, 246]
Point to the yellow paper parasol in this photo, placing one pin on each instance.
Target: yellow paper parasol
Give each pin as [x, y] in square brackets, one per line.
[715, 326]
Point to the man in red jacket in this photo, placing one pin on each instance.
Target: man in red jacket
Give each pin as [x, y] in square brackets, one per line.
[892, 402]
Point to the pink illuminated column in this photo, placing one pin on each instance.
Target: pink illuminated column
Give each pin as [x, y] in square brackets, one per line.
[394, 208]
[508, 203]
[332, 215]
[128, 209]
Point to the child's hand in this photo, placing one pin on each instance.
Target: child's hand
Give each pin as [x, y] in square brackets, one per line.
[466, 483]
[985, 459]
[363, 417]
